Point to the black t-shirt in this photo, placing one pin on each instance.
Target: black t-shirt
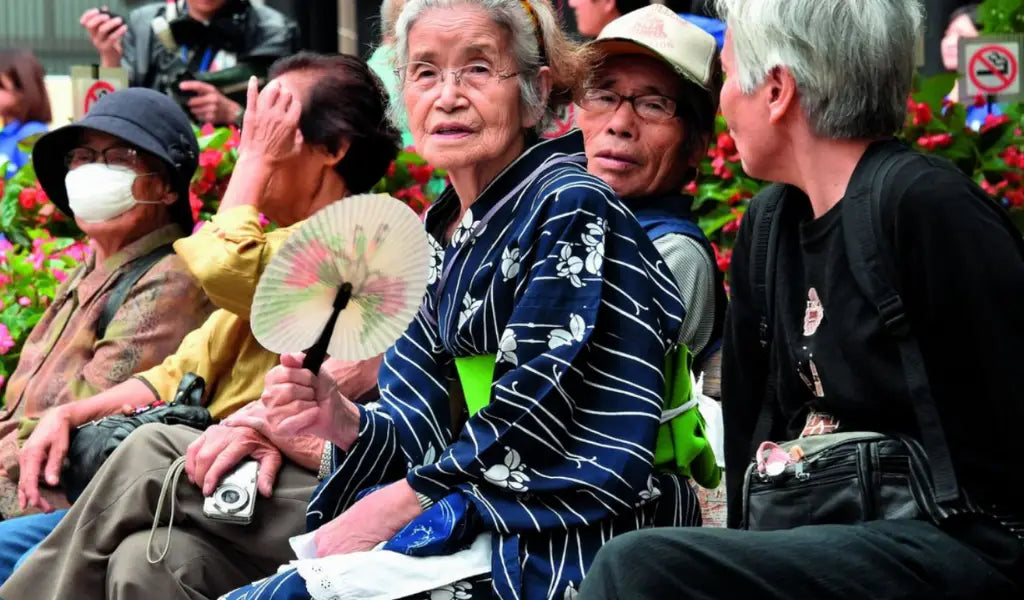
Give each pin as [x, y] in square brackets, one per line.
[961, 275]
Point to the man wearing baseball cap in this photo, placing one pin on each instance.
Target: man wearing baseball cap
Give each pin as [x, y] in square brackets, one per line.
[647, 116]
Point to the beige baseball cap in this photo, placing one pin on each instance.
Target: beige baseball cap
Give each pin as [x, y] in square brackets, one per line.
[657, 31]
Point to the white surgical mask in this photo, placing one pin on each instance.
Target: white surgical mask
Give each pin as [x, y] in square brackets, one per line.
[99, 192]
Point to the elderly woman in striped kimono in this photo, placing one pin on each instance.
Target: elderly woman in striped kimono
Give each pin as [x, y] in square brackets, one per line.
[519, 412]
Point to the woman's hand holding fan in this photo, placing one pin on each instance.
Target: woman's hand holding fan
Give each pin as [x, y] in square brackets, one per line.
[300, 403]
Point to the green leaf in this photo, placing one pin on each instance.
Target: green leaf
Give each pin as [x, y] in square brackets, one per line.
[956, 118]
[215, 140]
[9, 207]
[716, 220]
[224, 168]
[406, 157]
[934, 89]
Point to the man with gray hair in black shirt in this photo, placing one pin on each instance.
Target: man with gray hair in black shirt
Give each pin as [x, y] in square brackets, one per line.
[871, 381]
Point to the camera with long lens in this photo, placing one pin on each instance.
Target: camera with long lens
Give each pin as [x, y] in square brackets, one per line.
[235, 498]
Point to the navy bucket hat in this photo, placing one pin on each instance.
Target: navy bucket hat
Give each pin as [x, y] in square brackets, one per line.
[146, 119]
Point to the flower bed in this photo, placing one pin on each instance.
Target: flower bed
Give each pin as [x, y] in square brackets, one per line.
[40, 247]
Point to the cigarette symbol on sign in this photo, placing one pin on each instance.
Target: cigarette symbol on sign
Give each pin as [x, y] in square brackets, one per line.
[996, 63]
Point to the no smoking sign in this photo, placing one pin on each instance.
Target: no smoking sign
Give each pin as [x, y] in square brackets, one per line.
[990, 67]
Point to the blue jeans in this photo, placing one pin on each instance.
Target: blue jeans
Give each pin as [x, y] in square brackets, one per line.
[20, 536]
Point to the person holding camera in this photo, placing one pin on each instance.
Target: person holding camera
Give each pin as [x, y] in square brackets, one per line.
[315, 134]
[201, 52]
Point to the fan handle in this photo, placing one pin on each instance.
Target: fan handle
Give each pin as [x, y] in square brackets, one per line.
[318, 352]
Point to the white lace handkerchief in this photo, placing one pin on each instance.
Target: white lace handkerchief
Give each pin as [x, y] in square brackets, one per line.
[383, 574]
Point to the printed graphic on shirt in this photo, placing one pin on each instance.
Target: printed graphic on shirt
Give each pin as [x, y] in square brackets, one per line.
[819, 423]
[814, 313]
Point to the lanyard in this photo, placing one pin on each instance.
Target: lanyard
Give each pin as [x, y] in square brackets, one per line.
[204, 66]
[480, 225]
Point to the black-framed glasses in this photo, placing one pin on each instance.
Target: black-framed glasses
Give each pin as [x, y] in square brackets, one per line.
[650, 107]
[426, 76]
[115, 156]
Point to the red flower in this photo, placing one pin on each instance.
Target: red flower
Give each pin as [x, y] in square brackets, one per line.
[993, 190]
[207, 129]
[691, 188]
[726, 144]
[235, 140]
[209, 159]
[722, 257]
[979, 101]
[1016, 197]
[734, 225]
[421, 174]
[992, 121]
[27, 198]
[721, 170]
[391, 170]
[937, 140]
[195, 203]
[922, 113]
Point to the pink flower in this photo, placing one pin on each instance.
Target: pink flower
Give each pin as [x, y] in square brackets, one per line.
[4, 280]
[24, 301]
[5, 245]
[76, 252]
[2, 381]
[6, 341]
[264, 221]
[60, 275]
[207, 129]
[37, 258]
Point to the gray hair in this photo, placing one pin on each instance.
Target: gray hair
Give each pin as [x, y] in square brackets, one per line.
[853, 60]
[564, 59]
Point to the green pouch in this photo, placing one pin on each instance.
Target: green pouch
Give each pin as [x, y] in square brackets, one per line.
[682, 445]
[476, 374]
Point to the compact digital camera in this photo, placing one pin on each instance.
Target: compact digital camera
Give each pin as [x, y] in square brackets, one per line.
[235, 497]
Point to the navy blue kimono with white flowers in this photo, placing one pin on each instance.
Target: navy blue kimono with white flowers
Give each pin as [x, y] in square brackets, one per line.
[564, 286]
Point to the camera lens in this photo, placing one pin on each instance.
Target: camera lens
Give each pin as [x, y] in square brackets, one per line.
[231, 498]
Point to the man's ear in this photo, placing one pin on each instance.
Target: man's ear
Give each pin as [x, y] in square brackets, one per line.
[783, 94]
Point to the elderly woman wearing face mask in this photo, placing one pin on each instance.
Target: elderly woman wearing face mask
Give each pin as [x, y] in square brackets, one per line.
[122, 173]
[519, 411]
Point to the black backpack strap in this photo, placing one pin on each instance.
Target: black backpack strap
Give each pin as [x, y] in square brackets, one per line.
[871, 262]
[765, 209]
[125, 282]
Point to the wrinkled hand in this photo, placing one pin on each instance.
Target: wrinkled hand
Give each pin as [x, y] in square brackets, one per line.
[209, 105]
[43, 453]
[270, 128]
[300, 403]
[962, 26]
[374, 519]
[210, 457]
[105, 33]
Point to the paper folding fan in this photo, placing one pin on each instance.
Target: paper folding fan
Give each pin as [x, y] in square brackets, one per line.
[347, 282]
